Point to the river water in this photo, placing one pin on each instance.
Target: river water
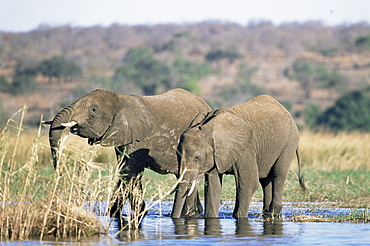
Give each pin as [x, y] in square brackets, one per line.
[159, 229]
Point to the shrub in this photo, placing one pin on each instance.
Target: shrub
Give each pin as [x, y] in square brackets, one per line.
[143, 70]
[311, 114]
[312, 75]
[4, 83]
[230, 54]
[351, 112]
[23, 84]
[59, 67]
[363, 42]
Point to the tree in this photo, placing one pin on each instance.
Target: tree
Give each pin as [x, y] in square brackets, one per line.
[3, 115]
[312, 75]
[363, 42]
[59, 67]
[23, 83]
[351, 112]
[4, 84]
[143, 70]
[230, 54]
[186, 74]
[241, 90]
[311, 114]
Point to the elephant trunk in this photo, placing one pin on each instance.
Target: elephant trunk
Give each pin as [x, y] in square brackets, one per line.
[187, 187]
[56, 130]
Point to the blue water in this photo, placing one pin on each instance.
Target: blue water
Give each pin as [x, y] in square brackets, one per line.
[159, 229]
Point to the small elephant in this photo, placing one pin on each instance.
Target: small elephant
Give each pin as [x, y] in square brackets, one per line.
[148, 128]
[255, 141]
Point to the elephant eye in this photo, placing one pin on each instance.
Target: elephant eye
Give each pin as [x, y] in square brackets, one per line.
[196, 159]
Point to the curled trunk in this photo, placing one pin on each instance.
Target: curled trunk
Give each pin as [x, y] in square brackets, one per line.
[56, 130]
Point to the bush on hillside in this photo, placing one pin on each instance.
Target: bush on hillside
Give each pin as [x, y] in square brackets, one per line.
[351, 112]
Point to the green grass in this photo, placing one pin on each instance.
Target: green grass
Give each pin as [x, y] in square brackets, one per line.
[37, 200]
[347, 187]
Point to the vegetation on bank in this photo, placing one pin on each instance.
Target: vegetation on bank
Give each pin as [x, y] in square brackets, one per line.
[37, 200]
[307, 66]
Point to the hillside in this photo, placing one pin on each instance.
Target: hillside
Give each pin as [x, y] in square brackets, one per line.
[267, 55]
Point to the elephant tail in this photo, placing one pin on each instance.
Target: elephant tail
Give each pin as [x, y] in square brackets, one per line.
[300, 176]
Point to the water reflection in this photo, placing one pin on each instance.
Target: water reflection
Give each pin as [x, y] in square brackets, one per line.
[212, 227]
[190, 228]
[131, 235]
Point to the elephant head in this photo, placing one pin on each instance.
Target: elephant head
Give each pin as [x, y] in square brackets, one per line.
[215, 142]
[105, 118]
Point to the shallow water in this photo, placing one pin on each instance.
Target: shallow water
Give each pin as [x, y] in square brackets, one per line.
[159, 229]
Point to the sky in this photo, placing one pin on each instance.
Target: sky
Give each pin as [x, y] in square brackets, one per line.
[26, 15]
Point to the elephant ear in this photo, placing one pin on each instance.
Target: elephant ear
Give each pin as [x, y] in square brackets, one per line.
[231, 138]
[203, 117]
[198, 119]
[132, 122]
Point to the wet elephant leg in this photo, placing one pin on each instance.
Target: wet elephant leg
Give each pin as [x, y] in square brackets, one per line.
[246, 184]
[279, 172]
[213, 190]
[115, 211]
[267, 194]
[129, 185]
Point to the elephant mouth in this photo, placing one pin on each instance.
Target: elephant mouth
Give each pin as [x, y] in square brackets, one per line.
[94, 141]
[82, 131]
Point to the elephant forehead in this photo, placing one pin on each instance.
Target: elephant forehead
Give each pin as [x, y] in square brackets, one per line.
[192, 141]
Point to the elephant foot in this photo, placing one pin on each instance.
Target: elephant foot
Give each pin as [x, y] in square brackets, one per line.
[240, 216]
[191, 211]
[269, 216]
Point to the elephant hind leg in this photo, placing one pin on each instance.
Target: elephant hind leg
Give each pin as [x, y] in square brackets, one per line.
[267, 194]
[278, 173]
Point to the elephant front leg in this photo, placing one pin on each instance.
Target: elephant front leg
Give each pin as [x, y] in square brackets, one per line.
[246, 184]
[129, 185]
[116, 209]
[213, 190]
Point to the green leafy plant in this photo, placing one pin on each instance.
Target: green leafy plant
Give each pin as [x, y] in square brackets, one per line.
[231, 54]
[351, 112]
[142, 70]
[59, 67]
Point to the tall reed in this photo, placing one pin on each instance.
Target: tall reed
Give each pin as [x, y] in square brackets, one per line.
[37, 200]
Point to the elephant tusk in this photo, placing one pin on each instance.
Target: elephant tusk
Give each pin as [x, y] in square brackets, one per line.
[69, 124]
[192, 187]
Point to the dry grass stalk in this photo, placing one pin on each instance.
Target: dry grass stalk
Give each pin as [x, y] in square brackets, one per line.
[62, 210]
[335, 151]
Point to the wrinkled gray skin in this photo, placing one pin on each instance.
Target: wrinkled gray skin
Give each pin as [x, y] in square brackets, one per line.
[255, 141]
[148, 126]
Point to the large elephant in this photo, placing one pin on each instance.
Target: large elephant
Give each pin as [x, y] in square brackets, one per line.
[255, 141]
[147, 128]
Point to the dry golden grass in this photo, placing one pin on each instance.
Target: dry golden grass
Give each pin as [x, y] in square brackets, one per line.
[335, 152]
[37, 200]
